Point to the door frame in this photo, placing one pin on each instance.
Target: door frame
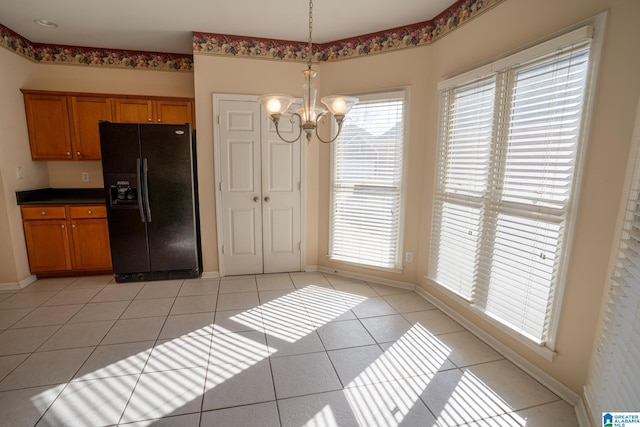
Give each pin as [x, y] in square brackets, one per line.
[216, 99]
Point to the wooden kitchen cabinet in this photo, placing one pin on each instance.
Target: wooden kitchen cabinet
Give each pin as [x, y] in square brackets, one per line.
[64, 125]
[45, 231]
[48, 124]
[66, 239]
[90, 238]
[86, 112]
[158, 111]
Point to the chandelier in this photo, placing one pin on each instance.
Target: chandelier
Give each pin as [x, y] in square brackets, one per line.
[309, 115]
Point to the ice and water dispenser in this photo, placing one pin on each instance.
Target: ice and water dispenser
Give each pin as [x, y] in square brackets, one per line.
[123, 191]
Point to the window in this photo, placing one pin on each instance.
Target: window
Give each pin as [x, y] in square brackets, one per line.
[367, 170]
[615, 365]
[510, 135]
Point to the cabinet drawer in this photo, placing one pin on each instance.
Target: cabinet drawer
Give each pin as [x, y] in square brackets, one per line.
[43, 212]
[89, 211]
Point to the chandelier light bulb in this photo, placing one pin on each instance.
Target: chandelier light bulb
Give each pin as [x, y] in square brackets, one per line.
[308, 116]
[273, 106]
[339, 106]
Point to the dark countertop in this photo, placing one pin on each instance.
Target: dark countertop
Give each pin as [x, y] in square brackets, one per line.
[61, 196]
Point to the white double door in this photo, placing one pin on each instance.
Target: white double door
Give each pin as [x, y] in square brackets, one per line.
[259, 192]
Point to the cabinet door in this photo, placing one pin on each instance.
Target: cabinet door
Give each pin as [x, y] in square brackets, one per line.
[174, 112]
[86, 112]
[91, 244]
[133, 110]
[48, 124]
[47, 245]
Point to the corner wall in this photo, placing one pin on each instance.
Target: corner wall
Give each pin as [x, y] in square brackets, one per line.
[14, 152]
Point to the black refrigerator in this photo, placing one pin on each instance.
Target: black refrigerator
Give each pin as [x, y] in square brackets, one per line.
[152, 200]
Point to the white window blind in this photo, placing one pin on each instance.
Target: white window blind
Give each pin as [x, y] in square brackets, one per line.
[613, 380]
[367, 174]
[506, 166]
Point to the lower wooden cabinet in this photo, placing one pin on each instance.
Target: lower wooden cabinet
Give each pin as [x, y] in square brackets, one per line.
[62, 239]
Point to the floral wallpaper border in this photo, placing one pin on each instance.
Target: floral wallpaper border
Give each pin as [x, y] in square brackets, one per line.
[419, 34]
[45, 53]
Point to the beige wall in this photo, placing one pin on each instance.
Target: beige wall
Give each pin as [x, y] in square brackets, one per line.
[14, 152]
[241, 76]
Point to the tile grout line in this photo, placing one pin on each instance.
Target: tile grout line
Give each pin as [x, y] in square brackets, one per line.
[139, 376]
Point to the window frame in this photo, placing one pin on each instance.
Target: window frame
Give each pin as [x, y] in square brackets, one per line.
[594, 29]
[381, 95]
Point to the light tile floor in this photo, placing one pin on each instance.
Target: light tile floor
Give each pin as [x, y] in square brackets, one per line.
[276, 350]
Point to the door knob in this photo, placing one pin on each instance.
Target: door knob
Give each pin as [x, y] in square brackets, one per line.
[266, 199]
[256, 199]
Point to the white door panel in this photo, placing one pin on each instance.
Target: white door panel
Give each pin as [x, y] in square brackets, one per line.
[241, 165]
[281, 200]
[260, 191]
[241, 188]
[243, 233]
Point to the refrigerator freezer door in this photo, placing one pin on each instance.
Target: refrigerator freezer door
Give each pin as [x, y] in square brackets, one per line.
[169, 176]
[127, 232]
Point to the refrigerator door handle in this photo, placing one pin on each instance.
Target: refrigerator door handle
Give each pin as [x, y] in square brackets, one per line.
[139, 191]
[145, 188]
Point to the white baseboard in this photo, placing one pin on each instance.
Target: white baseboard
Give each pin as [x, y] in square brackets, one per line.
[210, 275]
[367, 278]
[581, 414]
[564, 392]
[310, 268]
[16, 286]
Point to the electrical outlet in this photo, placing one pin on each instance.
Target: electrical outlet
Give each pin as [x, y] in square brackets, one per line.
[408, 257]
[19, 172]
[85, 176]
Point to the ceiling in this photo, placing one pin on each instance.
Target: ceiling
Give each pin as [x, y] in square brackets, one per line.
[167, 25]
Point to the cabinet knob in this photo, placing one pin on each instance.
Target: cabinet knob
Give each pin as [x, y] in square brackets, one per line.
[89, 212]
[68, 153]
[267, 199]
[159, 120]
[78, 153]
[73, 226]
[43, 213]
[149, 119]
[62, 226]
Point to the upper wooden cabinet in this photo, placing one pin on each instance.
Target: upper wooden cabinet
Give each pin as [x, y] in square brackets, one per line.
[64, 125]
[86, 112]
[159, 111]
[48, 124]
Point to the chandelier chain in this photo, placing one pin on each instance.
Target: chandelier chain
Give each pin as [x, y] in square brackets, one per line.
[310, 30]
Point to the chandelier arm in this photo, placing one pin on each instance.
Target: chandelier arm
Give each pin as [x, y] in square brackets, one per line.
[276, 121]
[340, 122]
